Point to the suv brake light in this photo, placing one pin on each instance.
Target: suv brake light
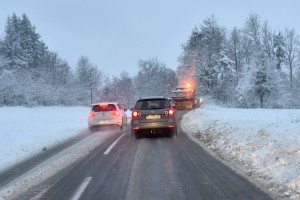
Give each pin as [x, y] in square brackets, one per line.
[136, 114]
[169, 112]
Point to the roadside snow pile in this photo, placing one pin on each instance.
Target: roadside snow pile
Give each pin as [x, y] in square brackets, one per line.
[53, 165]
[265, 141]
[26, 131]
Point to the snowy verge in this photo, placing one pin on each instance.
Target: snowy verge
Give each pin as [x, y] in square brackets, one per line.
[53, 165]
[264, 142]
[26, 131]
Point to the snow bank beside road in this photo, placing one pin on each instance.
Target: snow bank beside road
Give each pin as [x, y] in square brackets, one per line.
[264, 141]
[53, 165]
[25, 131]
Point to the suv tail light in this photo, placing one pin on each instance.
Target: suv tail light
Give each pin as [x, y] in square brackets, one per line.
[136, 114]
[170, 112]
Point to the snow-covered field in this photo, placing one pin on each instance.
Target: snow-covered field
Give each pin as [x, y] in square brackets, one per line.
[26, 131]
[264, 142]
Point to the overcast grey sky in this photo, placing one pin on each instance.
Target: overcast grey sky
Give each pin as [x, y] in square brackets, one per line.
[116, 34]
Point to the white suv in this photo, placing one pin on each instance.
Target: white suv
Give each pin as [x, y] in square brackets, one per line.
[108, 113]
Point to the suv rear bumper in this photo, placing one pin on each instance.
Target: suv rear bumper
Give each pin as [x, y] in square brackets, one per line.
[152, 125]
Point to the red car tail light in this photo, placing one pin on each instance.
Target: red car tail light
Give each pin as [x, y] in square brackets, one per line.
[115, 113]
[92, 114]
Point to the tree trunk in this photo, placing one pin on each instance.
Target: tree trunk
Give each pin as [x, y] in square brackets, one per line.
[291, 75]
[261, 100]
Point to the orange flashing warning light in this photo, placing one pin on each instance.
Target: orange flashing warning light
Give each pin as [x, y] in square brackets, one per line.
[188, 85]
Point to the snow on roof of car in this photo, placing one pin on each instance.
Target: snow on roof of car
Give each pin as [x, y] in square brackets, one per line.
[105, 103]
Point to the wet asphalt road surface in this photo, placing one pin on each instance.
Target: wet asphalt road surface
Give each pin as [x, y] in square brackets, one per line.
[149, 168]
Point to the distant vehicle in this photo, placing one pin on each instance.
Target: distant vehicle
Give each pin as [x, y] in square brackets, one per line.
[153, 115]
[108, 113]
[184, 98]
[184, 95]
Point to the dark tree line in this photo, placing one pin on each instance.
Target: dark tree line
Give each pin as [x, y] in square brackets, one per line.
[253, 66]
[31, 74]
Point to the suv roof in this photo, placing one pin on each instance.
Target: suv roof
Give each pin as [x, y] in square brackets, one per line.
[153, 97]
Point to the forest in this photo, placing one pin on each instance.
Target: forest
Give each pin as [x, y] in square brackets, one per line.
[248, 67]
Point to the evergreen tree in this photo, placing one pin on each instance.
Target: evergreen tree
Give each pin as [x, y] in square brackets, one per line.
[12, 44]
[262, 88]
[279, 46]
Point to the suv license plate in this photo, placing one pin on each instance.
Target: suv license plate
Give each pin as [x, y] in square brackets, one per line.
[153, 117]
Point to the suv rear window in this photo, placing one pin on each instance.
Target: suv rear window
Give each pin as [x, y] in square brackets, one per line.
[151, 104]
[104, 107]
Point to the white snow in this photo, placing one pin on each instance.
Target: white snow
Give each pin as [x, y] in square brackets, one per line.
[26, 131]
[265, 142]
[54, 165]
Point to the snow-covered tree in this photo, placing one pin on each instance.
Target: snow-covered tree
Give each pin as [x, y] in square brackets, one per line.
[120, 89]
[235, 50]
[225, 76]
[279, 46]
[153, 79]
[292, 48]
[262, 87]
[90, 81]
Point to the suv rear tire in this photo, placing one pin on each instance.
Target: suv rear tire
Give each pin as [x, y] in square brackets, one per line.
[137, 135]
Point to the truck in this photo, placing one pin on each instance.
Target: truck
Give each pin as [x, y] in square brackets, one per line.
[184, 98]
